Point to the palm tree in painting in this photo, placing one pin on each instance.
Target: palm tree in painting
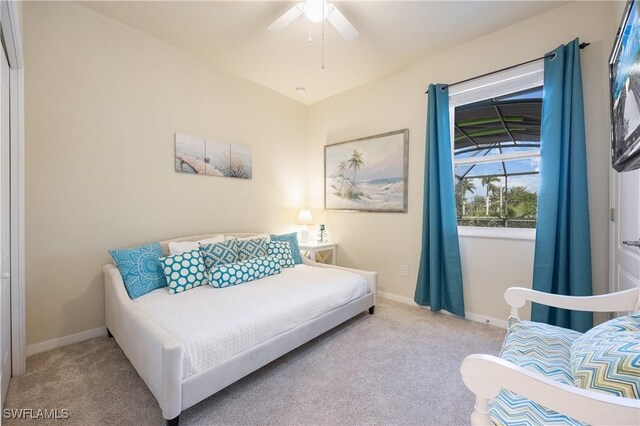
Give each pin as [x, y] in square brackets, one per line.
[342, 169]
[488, 182]
[464, 186]
[355, 163]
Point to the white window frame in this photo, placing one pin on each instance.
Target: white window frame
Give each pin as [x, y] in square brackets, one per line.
[516, 79]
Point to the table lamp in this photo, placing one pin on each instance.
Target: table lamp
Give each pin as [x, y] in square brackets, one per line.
[304, 219]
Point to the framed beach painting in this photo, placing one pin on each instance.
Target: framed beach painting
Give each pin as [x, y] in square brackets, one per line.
[207, 156]
[367, 174]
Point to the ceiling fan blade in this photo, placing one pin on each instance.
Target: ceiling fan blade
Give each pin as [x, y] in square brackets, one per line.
[288, 17]
[342, 25]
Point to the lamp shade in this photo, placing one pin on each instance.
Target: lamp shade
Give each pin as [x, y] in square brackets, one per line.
[313, 10]
[304, 218]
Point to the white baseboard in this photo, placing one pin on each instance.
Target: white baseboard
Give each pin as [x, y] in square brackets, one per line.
[396, 298]
[486, 320]
[37, 348]
[468, 315]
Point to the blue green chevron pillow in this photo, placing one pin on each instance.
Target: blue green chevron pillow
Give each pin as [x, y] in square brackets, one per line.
[219, 253]
[184, 271]
[292, 238]
[254, 247]
[140, 268]
[281, 250]
[243, 271]
[607, 358]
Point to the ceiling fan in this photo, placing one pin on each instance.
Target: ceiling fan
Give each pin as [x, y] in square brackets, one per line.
[316, 11]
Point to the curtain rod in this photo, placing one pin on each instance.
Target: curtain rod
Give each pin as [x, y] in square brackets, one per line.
[548, 55]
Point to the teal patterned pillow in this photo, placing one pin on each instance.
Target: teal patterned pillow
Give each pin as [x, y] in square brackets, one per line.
[243, 271]
[219, 253]
[254, 247]
[281, 250]
[292, 238]
[184, 271]
[140, 268]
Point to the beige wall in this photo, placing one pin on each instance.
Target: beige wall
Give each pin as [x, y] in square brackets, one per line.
[102, 104]
[383, 242]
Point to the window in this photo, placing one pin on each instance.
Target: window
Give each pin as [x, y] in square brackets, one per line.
[496, 148]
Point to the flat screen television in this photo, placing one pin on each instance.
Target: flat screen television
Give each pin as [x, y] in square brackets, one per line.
[624, 82]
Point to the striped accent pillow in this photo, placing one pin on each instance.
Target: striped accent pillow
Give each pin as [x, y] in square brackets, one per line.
[607, 358]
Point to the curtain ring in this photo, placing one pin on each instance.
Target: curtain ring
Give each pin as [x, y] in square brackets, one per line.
[553, 56]
[443, 88]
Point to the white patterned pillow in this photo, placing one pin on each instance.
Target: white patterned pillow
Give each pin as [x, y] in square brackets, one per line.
[254, 247]
[281, 250]
[184, 271]
[179, 247]
[243, 271]
[219, 253]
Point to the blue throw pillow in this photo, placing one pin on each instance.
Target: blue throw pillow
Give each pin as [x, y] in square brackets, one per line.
[292, 239]
[140, 268]
[281, 250]
[184, 271]
[219, 253]
[243, 271]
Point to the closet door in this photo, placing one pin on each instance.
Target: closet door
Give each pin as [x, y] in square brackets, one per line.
[5, 226]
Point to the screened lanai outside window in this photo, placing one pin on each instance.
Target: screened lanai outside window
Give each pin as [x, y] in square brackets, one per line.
[496, 160]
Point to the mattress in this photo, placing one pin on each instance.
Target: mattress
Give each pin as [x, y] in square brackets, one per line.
[214, 324]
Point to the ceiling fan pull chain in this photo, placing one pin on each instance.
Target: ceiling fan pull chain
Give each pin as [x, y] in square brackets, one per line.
[309, 32]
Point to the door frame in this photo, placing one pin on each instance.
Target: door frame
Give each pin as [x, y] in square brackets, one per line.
[12, 33]
[613, 219]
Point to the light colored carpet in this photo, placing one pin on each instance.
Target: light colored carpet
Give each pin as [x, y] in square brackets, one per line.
[397, 367]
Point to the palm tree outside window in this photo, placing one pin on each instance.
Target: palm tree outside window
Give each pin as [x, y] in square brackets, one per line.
[496, 149]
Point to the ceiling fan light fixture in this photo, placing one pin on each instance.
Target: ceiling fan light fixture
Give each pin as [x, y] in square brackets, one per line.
[313, 10]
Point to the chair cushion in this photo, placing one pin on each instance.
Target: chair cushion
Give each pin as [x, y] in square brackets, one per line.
[509, 409]
[543, 349]
[607, 358]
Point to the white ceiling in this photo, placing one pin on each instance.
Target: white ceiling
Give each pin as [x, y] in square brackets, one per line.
[393, 35]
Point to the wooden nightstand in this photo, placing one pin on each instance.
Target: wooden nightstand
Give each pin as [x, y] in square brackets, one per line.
[321, 253]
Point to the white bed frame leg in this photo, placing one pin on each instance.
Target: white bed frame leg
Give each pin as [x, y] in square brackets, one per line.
[173, 422]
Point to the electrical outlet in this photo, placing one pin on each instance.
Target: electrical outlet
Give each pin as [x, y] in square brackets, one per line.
[404, 270]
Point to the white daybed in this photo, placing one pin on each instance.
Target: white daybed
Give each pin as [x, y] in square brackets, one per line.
[187, 347]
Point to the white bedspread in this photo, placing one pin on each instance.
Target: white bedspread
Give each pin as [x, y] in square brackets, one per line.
[214, 324]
